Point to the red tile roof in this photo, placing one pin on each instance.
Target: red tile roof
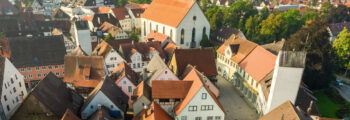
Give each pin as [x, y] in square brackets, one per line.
[202, 58]
[74, 69]
[137, 12]
[174, 10]
[114, 43]
[195, 87]
[170, 88]
[120, 13]
[69, 115]
[144, 48]
[5, 48]
[285, 111]
[258, 63]
[136, 6]
[156, 36]
[157, 114]
[125, 70]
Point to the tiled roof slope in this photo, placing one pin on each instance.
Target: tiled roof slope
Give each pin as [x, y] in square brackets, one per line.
[120, 13]
[158, 113]
[102, 49]
[74, 67]
[336, 28]
[286, 111]
[143, 48]
[174, 10]
[69, 115]
[56, 96]
[258, 63]
[202, 58]
[170, 88]
[245, 47]
[124, 70]
[274, 47]
[37, 51]
[143, 90]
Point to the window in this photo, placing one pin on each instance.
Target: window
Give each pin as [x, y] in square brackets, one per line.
[193, 34]
[144, 28]
[138, 65]
[44, 74]
[29, 69]
[129, 89]
[62, 66]
[17, 99]
[11, 81]
[171, 34]
[163, 100]
[183, 117]
[56, 67]
[39, 75]
[192, 108]
[163, 29]
[16, 77]
[43, 67]
[210, 118]
[204, 95]
[112, 106]
[198, 118]
[143, 64]
[91, 107]
[217, 118]
[133, 65]
[8, 108]
[50, 67]
[5, 98]
[57, 73]
[14, 89]
[207, 107]
[182, 36]
[156, 28]
[124, 82]
[37, 68]
[5, 86]
[194, 18]
[150, 27]
[20, 84]
[30, 76]
[22, 69]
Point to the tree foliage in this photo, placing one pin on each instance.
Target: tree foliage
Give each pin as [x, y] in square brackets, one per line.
[339, 14]
[342, 48]
[120, 3]
[326, 7]
[292, 21]
[2, 35]
[141, 1]
[252, 27]
[205, 41]
[134, 35]
[314, 39]
[271, 29]
[264, 13]
[204, 4]
[109, 37]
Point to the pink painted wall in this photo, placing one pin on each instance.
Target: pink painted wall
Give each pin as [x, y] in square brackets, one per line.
[124, 87]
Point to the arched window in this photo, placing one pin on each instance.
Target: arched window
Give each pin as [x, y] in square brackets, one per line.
[171, 34]
[182, 36]
[163, 29]
[156, 28]
[193, 34]
[150, 27]
[204, 31]
[144, 28]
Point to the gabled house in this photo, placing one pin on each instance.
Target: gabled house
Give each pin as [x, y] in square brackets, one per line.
[49, 100]
[106, 94]
[141, 97]
[200, 102]
[226, 32]
[34, 60]
[335, 29]
[202, 58]
[82, 37]
[157, 70]
[138, 55]
[71, 14]
[285, 111]
[153, 112]
[45, 7]
[111, 57]
[125, 78]
[117, 32]
[98, 19]
[83, 73]
[124, 18]
[185, 22]
[165, 42]
[102, 113]
[135, 14]
[13, 90]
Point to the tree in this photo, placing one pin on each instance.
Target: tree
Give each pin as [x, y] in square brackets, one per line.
[310, 14]
[326, 7]
[342, 48]
[271, 29]
[252, 26]
[134, 36]
[2, 35]
[205, 41]
[292, 22]
[313, 38]
[243, 9]
[264, 13]
[204, 4]
[109, 37]
[120, 3]
[339, 14]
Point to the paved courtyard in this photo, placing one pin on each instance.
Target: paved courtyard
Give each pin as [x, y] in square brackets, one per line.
[235, 106]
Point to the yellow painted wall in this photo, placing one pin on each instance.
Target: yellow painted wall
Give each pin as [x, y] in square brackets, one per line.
[173, 65]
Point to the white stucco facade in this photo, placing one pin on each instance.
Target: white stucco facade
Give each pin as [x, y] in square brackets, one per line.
[201, 108]
[194, 20]
[112, 60]
[99, 99]
[13, 90]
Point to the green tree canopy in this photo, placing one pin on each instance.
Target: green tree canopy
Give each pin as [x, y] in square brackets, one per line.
[271, 29]
[326, 7]
[339, 14]
[264, 13]
[342, 48]
[292, 22]
[109, 37]
[314, 39]
[252, 27]
[205, 41]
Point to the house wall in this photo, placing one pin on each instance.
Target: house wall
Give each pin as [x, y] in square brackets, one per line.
[198, 101]
[13, 88]
[166, 74]
[113, 60]
[136, 62]
[138, 105]
[32, 73]
[124, 84]
[126, 23]
[188, 24]
[99, 99]
[69, 44]
[121, 35]
[285, 86]
[173, 65]
[161, 28]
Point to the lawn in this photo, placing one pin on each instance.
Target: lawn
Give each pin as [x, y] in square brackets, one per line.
[326, 106]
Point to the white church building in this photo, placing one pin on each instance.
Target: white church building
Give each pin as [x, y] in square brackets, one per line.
[182, 20]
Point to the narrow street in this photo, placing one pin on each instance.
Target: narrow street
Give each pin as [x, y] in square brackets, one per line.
[235, 107]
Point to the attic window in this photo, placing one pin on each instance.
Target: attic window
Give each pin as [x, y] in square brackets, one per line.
[194, 18]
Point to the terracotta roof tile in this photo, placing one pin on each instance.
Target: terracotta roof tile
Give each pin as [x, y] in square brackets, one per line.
[131, 5]
[120, 13]
[286, 111]
[114, 43]
[158, 113]
[336, 28]
[125, 70]
[195, 87]
[143, 90]
[69, 115]
[156, 36]
[143, 48]
[170, 88]
[245, 47]
[258, 63]
[202, 58]
[104, 9]
[102, 49]
[74, 68]
[174, 10]
[5, 48]
[137, 12]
